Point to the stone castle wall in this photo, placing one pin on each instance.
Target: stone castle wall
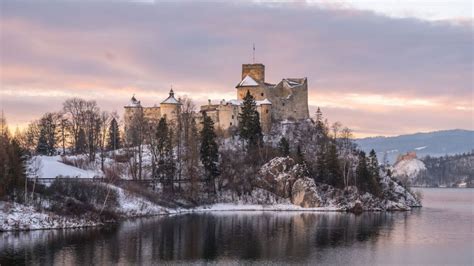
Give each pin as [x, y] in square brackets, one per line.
[287, 100]
[289, 103]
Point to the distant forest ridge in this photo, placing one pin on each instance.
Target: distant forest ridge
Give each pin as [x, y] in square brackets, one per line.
[434, 144]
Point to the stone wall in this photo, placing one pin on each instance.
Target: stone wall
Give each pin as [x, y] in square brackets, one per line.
[258, 92]
[170, 111]
[289, 102]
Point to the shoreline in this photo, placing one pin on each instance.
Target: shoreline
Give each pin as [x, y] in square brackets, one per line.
[214, 208]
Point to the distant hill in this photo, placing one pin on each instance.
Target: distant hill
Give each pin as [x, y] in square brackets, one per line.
[435, 144]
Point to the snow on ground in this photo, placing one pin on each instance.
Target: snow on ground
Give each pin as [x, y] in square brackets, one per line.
[410, 168]
[20, 217]
[52, 167]
[134, 206]
[258, 207]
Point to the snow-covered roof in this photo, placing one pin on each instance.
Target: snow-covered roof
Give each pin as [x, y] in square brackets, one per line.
[247, 81]
[265, 101]
[133, 102]
[171, 99]
[235, 102]
[240, 102]
[293, 82]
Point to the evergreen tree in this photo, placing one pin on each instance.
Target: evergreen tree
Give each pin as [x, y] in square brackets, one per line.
[12, 166]
[320, 171]
[334, 175]
[284, 147]
[47, 136]
[320, 127]
[209, 150]
[114, 142]
[362, 173]
[299, 156]
[81, 142]
[42, 146]
[164, 148]
[374, 170]
[249, 123]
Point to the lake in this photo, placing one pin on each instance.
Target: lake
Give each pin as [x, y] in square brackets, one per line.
[439, 233]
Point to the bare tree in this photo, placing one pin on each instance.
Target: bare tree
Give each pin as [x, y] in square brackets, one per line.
[135, 134]
[336, 126]
[104, 120]
[34, 169]
[348, 161]
[74, 109]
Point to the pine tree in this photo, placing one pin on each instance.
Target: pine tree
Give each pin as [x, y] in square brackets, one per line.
[321, 130]
[47, 137]
[42, 146]
[320, 171]
[249, 123]
[374, 170]
[299, 158]
[284, 147]
[81, 142]
[114, 141]
[362, 173]
[12, 166]
[209, 151]
[334, 175]
[164, 150]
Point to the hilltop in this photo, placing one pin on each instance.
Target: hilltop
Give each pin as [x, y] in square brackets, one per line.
[434, 144]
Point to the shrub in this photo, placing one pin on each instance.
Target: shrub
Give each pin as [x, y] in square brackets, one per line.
[84, 191]
[122, 158]
[79, 162]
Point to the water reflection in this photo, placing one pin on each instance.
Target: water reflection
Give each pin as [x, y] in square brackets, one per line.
[269, 236]
[439, 233]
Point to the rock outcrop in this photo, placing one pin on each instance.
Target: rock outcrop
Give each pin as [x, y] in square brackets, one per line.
[286, 179]
[304, 193]
[278, 176]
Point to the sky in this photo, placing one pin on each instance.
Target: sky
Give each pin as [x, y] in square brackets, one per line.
[379, 67]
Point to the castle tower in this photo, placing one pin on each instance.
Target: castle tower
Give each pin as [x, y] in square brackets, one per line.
[253, 80]
[170, 107]
[255, 71]
[265, 112]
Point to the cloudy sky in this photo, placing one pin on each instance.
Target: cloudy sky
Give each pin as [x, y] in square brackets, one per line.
[380, 67]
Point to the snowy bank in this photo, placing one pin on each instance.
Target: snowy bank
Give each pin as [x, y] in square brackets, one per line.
[18, 217]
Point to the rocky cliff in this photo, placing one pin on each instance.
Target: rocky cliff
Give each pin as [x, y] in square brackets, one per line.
[286, 179]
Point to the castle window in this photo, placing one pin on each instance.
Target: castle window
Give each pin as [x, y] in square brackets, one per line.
[266, 111]
[232, 118]
[231, 123]
[261, 93]
[283, 104]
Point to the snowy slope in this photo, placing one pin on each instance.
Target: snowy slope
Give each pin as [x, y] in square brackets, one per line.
[52, 167]
[408, 168]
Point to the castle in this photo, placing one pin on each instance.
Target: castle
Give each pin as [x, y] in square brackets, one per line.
[284, 101]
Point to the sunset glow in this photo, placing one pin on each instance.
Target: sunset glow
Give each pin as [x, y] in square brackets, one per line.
[378, 72]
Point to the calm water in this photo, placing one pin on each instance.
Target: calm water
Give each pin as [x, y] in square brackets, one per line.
[439, 233]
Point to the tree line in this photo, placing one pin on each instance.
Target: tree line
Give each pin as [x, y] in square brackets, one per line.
[189, 150]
